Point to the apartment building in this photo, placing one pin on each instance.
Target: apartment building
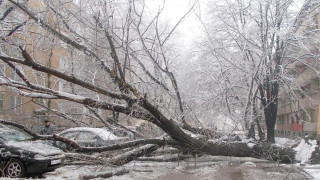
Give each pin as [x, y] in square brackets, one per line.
[47, 50]
[299, 103]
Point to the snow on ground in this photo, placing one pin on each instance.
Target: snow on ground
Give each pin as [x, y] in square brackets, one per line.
[313, 170]
[285, 142]
[206, 167]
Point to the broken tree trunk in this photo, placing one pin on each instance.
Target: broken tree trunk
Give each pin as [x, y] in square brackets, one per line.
[199, 146]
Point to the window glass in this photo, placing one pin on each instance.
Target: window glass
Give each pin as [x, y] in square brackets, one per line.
[18, 104]
[70, 135]
[313, 115]
[2, 69]
[1, 103]
[14, 135]
[12, 103]
[85, 136]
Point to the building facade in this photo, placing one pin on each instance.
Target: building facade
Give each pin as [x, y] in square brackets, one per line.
[299, 103]
[50, 51]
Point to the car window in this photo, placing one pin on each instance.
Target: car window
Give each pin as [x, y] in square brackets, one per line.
[70, 135]
[119, 132]
[85, 136]
[14, 136]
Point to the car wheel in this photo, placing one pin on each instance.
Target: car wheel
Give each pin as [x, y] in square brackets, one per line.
[15, 169]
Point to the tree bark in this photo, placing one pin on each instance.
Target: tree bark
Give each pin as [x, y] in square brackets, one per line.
[269, 103]
[252, 133]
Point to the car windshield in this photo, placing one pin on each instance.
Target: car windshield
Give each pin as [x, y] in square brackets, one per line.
[12, 135]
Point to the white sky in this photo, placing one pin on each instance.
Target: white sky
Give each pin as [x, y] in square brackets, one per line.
[174, 10]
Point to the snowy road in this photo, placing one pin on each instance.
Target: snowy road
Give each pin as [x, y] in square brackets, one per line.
[207, 167]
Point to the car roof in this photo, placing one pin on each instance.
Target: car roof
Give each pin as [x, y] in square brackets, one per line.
[101, 132]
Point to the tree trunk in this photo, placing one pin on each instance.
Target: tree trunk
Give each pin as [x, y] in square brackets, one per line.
[252, 133]
[257, 119]
[269, 103]
[260, 131]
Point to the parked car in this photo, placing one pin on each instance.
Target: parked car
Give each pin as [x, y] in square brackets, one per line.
[88, 137]
[19, 155]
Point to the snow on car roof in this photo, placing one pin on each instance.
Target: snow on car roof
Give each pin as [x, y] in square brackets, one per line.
[101, 132]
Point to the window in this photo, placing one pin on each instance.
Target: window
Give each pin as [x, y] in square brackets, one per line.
[313, 115]
[76, 112]
[70, 135]
[62, 85]
[15, 104]
[2, 69]
[39, 101]
[12, 103]
[296, 118]
[1, 103]
[15, 76]
[283, 119]
[63, 66]
[314, 87]
[85, 136]
[40, 78]
[18, 104]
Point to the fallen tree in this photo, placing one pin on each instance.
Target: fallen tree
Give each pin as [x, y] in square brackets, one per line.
[131, 99]
[201, 146]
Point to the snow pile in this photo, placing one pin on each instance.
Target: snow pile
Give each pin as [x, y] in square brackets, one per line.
[304, 150]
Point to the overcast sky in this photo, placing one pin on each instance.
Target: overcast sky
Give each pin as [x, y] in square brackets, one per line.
[174, 10]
